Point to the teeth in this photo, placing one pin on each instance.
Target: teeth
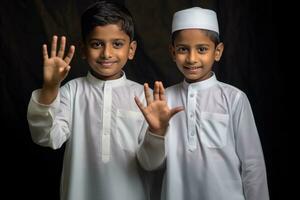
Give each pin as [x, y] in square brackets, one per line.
[192, 67]
[106, 63]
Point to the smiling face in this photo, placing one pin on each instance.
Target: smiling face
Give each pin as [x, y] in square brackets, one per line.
[194, 53]
[107, 49]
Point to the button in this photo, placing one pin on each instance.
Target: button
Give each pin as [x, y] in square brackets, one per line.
[191, 95]
[191, 115]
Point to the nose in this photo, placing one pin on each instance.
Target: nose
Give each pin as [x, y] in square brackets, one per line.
[107, 52]
[192, 57]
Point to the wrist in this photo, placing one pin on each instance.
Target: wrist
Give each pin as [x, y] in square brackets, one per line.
[48, 94]
[50, 88]
[160, 132]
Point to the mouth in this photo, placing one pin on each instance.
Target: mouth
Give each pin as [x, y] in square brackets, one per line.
[192, 68]
[106, 63]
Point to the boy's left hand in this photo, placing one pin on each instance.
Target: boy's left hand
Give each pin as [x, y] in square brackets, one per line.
[157, 113]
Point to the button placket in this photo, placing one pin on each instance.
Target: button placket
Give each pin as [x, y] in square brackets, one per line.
[106, 122]
[191, 119]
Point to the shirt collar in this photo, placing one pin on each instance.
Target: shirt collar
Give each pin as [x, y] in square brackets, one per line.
[201, 85]
[114, 83]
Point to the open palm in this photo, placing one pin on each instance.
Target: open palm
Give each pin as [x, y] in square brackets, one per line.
[157, 113]
[56, 67]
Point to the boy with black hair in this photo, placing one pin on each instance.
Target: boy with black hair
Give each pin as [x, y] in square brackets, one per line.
[94, 115]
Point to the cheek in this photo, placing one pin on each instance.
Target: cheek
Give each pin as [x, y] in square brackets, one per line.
[179, 59]
[91, 55]
[210, 59]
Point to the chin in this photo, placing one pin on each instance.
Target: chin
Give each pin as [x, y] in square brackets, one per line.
[192, 77]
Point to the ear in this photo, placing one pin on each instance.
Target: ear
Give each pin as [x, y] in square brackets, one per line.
[132, 48]
[218, 51]
[172, 52]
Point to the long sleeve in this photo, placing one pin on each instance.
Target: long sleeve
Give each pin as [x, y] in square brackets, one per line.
[49, 124]
[102, 128]
[152, 152]
[249, 150]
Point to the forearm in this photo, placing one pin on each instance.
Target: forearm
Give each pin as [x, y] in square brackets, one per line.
[152, 153]
[250, 152]
[45, 130]
[48, 94]
[255, 181]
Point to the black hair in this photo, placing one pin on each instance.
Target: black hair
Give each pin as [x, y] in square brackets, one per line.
[103, 13]
[214, 36]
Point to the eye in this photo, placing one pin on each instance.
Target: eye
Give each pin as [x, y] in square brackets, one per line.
[181, 50]
[118, 44]
[96, 44]
[202, 50]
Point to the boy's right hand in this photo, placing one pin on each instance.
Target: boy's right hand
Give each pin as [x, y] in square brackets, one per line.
[56, 68]
[157, 112]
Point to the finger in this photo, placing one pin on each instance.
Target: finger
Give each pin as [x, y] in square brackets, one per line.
[176, 110]
[156, 90]
[147, 94]
[67, 68]
[70, 55]
[61, 50]
[139, 103]
[65, 71]
[54, 46]
[162, 95]
[45, 52]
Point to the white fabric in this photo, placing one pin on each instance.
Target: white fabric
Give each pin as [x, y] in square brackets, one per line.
[102, 128]
[152, 152]
[195, 17]
[213, 148]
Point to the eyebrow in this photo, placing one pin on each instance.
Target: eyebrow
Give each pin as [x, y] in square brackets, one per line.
[99, 39]
[186, 45]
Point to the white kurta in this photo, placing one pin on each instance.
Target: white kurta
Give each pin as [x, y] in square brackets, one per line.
[213, 148]
[102, 128]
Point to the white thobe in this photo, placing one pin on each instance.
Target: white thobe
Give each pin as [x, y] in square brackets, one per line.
[102, 128]
[213, 148]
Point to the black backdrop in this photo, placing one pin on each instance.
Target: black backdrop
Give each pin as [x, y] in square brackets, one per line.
[249, 62]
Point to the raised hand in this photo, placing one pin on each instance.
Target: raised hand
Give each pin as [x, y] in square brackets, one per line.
[56, 68]
[157, 113]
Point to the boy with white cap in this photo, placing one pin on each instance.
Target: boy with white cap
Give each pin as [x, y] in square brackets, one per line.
[212, 150]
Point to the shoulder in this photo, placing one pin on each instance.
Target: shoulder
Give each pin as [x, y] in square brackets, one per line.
[174, 88]
[174, 91]
[235, 95]
[132, 88]
[74, 84]
[230, 89]
[76, 81]
[134, 85]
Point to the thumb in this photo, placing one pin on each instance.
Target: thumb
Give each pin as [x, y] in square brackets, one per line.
[176, 110]
[139, 104]
[67, 68]
[66, 71]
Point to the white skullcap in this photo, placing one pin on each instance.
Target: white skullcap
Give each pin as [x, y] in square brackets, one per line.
[195, 17]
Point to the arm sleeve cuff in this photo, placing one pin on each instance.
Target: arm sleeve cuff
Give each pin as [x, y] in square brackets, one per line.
[152, 152]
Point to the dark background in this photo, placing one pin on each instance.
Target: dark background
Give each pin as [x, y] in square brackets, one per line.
[250, 62]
